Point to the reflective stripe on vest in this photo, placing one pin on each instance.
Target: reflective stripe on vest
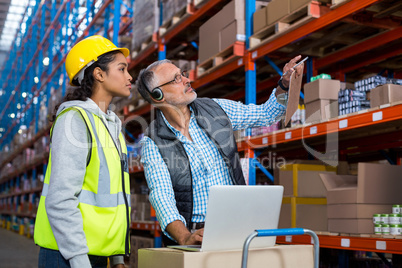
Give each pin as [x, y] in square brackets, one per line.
[101, 201]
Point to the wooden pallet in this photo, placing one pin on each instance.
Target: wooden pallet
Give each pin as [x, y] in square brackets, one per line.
[288, 23]
[175, 20]
[150, 41]
[231, 53]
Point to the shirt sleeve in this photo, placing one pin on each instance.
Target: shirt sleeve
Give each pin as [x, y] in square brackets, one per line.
[246, 116]
[159, 182]
[69, 152]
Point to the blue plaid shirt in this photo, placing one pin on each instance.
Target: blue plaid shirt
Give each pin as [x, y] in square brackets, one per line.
[207, 165]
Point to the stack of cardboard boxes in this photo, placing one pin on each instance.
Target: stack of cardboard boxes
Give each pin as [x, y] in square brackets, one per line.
[320, 98]
[222, 30]
[352, 200]
[304, 202]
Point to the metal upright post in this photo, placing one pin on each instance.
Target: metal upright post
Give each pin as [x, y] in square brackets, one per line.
[116, 22]
[251, 85]
[90, 15]
[106, 22]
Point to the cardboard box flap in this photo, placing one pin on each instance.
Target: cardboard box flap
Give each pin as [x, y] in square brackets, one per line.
[333, 182]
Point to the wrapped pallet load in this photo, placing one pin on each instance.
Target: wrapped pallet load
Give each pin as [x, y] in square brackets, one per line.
[145, 22]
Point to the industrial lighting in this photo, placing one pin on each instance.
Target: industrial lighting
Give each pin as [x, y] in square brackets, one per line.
[20, 131]
[36, 79]
[12, 115]
[1, 92]
[46, 61]
[2, 129]
[18, 106]
[35, 100]
[24, 95]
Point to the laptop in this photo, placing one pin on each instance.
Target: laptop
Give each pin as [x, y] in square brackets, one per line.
[234, 212]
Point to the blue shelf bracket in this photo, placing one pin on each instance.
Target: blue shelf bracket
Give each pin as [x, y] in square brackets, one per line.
[273, 65]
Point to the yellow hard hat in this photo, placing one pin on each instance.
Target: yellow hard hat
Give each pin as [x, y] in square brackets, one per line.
[88, 50]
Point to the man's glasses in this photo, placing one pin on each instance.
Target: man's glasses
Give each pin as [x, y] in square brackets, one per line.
[177, 79]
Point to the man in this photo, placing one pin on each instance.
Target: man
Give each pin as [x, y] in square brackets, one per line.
[190, 146]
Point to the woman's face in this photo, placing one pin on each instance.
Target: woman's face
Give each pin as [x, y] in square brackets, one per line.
[117, 79]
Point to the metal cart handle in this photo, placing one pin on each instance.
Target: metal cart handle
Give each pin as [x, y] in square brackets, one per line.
[281, 232]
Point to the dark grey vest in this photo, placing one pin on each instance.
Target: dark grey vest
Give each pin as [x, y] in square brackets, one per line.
[216, 124]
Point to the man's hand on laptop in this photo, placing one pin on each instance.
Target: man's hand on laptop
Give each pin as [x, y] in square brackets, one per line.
[182, 235]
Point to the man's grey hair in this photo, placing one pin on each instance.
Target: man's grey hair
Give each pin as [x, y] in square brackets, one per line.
[147, 80]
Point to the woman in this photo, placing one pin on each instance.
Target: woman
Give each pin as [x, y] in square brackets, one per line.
[83, 214]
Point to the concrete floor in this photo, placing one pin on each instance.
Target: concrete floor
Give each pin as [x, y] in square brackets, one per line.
[17, 251]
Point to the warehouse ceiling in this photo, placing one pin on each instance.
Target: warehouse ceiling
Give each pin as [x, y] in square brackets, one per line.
[11, 13]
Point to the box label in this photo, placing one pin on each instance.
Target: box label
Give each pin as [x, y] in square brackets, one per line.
[288, 135]
[264, 140]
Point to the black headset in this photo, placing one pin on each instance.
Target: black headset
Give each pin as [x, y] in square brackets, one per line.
[155, 93]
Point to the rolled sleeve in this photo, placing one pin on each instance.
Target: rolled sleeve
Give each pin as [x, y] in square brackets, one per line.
[251, 115]
[161, 194]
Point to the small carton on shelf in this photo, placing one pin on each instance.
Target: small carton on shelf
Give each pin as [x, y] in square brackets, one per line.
[321, 110]
[385, 94]
[321, 89]
[352, 200]
[278, 256]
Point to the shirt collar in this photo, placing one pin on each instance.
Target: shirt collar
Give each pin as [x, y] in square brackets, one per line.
[175, 131]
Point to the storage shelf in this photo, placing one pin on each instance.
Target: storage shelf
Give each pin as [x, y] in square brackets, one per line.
[26, 145]
[18, 214]
[36, 162]
[382, 245]
[35, 190]
[360, 119]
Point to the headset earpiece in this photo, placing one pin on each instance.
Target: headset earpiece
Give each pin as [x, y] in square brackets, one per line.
[157, 94]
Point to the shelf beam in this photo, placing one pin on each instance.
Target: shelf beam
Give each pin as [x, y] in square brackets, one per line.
[371, 43]
[383, 245]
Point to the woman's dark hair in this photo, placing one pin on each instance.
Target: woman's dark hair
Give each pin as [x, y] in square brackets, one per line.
[84, 91]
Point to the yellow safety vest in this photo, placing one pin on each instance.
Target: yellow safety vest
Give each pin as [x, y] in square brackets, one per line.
[104, 200]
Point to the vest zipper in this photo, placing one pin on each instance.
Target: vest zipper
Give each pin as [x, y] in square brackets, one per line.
[127, 249]
[127, 210]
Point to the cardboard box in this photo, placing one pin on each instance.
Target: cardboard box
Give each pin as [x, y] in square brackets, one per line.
[276, 10]
[374, 184]
[296, 4]
[310, 213]
[232, 33]
[321, 110]
[351, 226]
[306, 179]
[209, 38]
[210, 31]
[356, 211]
[259, 19]
[278, 256]
[385, 94]
[321, 89]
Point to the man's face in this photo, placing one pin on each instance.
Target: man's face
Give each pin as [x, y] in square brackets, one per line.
[179, 91]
